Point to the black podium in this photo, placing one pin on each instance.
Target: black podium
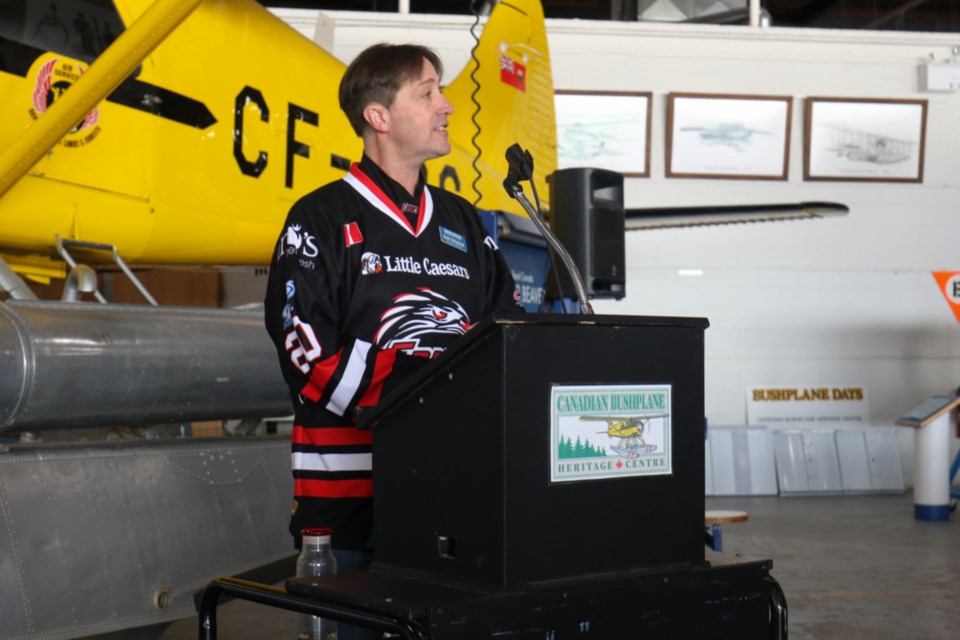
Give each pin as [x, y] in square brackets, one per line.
[543, 478]
[469, 485]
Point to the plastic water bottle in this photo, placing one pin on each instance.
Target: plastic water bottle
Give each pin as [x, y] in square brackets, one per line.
[316, 559]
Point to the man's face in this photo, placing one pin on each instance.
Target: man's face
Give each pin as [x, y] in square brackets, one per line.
[418, 117]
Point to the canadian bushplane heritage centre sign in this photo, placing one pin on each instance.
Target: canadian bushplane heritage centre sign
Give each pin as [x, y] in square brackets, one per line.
[604, 431]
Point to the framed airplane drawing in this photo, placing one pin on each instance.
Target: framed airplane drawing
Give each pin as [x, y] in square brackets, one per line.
[728, 136]
[857, 139]
[608, 130]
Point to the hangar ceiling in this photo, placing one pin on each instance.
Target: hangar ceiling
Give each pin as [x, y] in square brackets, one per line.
[888, 15]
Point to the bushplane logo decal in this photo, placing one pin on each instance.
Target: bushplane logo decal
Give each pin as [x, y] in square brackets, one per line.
[601, 432]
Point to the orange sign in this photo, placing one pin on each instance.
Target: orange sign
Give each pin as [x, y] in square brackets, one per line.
[949, 283]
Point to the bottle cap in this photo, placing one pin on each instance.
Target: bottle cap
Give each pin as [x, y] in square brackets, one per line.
[317, 535]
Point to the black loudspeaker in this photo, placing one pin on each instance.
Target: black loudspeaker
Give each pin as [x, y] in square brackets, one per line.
[587, 216]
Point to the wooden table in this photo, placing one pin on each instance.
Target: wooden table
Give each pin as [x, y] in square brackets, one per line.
[713, 519]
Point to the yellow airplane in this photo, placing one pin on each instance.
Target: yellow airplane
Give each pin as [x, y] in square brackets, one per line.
[196, 156]
[628, 431]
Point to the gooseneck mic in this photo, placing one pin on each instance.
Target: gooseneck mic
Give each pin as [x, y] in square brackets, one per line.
[520, 168]
[520, 163]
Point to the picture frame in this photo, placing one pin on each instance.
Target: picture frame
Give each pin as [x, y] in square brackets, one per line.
[604, 129]
[864, 139]
[728, 136]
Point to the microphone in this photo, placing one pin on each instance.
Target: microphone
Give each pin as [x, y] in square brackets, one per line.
[520, 162]
[520, 167]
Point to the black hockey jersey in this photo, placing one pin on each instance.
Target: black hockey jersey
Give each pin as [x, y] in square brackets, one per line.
[358, 292]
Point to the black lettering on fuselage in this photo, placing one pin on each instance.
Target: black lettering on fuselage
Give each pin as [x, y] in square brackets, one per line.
[449, 173]
[294, 147]
[248, 94]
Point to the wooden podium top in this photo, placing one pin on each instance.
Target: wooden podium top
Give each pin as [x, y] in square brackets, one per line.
[928, 411]
[724, 517]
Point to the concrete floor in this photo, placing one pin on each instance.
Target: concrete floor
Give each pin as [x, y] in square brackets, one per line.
[852, 568]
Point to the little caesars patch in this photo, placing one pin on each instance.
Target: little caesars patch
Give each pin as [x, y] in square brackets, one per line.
[601, 432]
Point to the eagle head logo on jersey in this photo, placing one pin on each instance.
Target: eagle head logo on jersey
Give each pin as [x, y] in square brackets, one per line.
[370, 263]
[414, 317]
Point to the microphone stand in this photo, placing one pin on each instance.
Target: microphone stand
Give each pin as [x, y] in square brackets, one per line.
[512, 184]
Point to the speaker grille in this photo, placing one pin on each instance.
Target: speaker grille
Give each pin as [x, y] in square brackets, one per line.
[587, 216]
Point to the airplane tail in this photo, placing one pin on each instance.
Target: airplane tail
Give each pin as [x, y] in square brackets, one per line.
[510, 102]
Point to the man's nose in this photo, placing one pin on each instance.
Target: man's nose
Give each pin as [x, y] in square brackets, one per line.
[445, 108]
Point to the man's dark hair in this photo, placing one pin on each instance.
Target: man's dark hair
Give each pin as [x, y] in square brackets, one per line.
[377, 74]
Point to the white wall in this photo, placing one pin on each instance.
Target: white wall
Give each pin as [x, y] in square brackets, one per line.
[813, 303]
[844, 301]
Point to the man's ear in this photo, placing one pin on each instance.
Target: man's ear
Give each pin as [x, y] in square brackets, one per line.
[377, 117]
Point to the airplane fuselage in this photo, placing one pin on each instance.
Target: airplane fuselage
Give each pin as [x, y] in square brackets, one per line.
[196, 158]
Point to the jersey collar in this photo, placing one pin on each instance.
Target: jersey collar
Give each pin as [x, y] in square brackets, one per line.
[373, 194]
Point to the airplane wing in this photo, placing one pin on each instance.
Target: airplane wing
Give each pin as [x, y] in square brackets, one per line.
[668, 217]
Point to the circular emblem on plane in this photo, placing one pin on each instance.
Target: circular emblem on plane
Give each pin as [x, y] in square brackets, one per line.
[53, 77]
